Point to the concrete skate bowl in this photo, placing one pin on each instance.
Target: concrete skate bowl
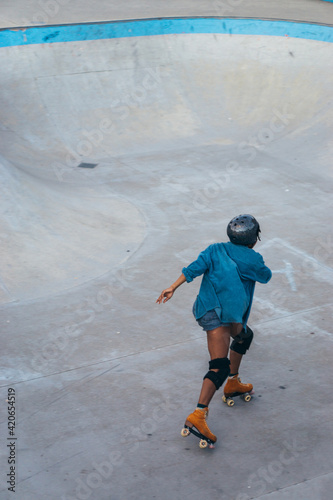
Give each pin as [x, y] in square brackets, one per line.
[213, 112]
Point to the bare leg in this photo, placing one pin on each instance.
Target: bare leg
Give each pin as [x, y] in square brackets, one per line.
[235, 357]
[234, 385]
[235, 361]
[218, 346]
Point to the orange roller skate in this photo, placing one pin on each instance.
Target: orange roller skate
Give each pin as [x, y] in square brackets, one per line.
[197, 419]
[234, 387]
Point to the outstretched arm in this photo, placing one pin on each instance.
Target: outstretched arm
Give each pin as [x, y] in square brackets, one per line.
[168, 292]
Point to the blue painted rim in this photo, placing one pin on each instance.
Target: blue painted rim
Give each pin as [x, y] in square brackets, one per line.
[151, 27]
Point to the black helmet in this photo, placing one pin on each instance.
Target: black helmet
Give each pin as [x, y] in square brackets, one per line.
[243, 230]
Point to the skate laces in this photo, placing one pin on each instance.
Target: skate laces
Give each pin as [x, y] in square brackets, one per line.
[204, 410]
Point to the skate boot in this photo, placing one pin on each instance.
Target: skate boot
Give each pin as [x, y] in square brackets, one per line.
[197, 420]
[234, 387]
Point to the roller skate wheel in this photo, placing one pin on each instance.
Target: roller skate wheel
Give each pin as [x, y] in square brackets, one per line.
[185, 432]
[224, 399]
[230, 402]
[247, 398]
[203, 443]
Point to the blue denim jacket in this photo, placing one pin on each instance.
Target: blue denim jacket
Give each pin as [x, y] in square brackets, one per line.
[229, 275]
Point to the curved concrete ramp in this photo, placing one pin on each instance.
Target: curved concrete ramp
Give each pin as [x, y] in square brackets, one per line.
[142, 105]
[185, 129]
[55, 238]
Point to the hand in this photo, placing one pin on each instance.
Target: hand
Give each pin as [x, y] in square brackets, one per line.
[166, 295]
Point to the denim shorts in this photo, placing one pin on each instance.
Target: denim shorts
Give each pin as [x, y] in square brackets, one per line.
[210, 320]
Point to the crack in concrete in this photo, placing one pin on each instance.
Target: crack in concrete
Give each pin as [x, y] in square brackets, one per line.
[294, 484]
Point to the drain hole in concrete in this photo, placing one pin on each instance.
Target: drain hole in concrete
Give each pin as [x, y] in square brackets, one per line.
[88, 165]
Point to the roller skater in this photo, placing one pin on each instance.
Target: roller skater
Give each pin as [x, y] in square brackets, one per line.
[222, 308]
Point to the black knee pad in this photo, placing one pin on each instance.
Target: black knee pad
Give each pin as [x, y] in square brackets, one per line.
[242, 341]
[221, 364]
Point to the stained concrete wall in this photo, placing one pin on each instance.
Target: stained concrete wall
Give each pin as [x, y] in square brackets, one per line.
[42, 12]
[102, 100]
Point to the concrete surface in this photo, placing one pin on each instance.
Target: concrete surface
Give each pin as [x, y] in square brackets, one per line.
[41, 12]
[186, 131]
